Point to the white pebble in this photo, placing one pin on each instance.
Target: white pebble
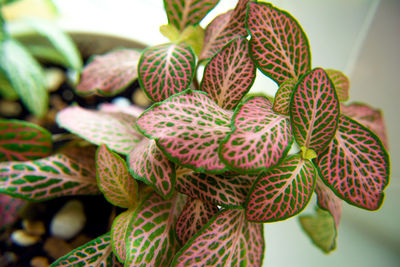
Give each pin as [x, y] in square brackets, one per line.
[69, 220]
[22, 238]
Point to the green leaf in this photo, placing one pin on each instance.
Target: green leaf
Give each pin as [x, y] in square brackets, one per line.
[119, 229]
[46, 54]
[6, 89]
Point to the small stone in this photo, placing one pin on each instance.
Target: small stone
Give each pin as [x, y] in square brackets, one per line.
[54, 77]
[56, 247]
[140, 98]
[9, 258]
[34, 227]
[40, 261]
[24, 239]
[10, 108]
[69, 220]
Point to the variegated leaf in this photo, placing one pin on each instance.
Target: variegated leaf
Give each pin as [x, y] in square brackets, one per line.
[114, 180]
[314, 111]
[188, 127]
[341, 82]
[278, 44]
[229, 74]
[260, 138]
[194, 216]
[9, 208]
[119, 229]
[96, 253]
[148, 164]
[227, 240]
[20, 141]
[115, 129]
[355, 165]
[283, 96]
[328, 201]
[109, 74]
[281, 192]
[166, 69]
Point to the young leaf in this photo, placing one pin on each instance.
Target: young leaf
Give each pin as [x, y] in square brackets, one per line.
[260, 138]
[227, 240]
[96, 253]
[341, 82]
[328, 201]
[181, 14]
[229, 74]
[278, 44]
[114, 180]
[283, 96]
[109, 74]
[9, 208]
[314, 111]
[148, 164]
[194, 216]
[21, 141]
[115, 129]
[166, 69]
[281, 192]
[188, 128]
[355, 165]
[118, 232]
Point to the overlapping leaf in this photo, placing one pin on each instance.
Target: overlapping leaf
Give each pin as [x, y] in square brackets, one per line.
[188, 128]
[9, 208]
[341, 82]
[227, 240]
[20, 141]
[278, 44]
[166, 69]
[281, 192]
[260, 138]
[283, 96]
[118, 232]
[327, 200]
[314, 111]
[110, 73]
[355, 165]
[229, 74]
[115, 129]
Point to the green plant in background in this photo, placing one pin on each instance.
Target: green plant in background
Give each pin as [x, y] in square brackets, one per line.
[200, 171]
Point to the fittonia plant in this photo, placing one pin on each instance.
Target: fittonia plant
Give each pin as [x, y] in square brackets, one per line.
[200, 171]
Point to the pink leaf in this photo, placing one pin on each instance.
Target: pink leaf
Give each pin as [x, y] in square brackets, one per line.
[283, 96]
[118, 232]
[327, 200]
[132, 110]
[278, 44]
[229, 75]
[9, 208]
[341, 82]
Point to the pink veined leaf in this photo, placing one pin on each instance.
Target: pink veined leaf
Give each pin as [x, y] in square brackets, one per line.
[109, 74]
[188, 128]
[147, 163]
[328, 201]
[369, 117]
[194, 216]
[132, 110]
[314, 111]
[229, 74]
[119, 229]
[117, 130]
[166, 69]
[341, 82]
[96, 253]
[223, 29]
[281, 192]
[260, 138]
[227, 240]
[9, 208]
[278, 44]
[283, 96]
[21, 141]
[355, 165]
[114, 180]
[182, 14]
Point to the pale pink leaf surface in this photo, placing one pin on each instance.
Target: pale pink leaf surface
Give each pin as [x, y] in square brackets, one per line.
[118, 232]
[110, 73]
[327, 200]
[147, 163]
[194, 216]
[227, 240]
[314, 111]
[229, 74]
[341, 82]
[278, 44]
[132, 110]
[114, 180]
[9, 208]
[117, 130]
[281, 192]
[355, 165]
[188, 127]
[166, 69]
[182, 14]
[260, 137]
[283, 96]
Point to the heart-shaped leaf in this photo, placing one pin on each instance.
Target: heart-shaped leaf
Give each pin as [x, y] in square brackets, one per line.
[314, 111]
[109, 74]
[355, 165]
[182, 14]
[278, 44]
[341, 82]
[227, 240]
[229, 74]
[283, 96]
[20, 141]
[188, 127]
[281, 192]
[327, 200]
[119, 229]
[117, 130]
[260, 138]
[166, 69]
[114, 180]
[9, 208]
